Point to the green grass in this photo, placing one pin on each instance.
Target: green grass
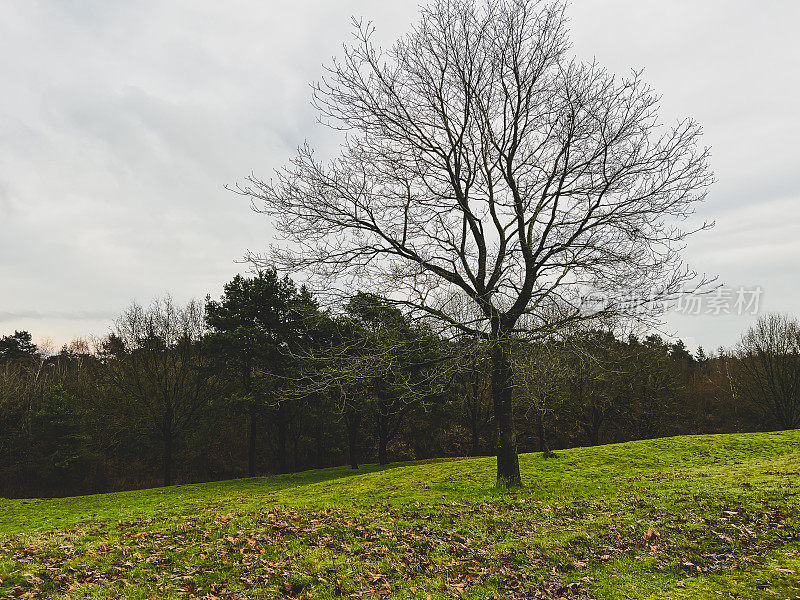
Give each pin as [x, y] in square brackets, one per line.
[685, 517]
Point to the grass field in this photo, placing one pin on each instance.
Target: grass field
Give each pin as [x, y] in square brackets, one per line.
[686, 517]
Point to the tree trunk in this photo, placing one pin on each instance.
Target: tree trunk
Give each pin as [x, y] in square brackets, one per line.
[502, 381]
[283, 422]
[594, 430]
[475, 412]
[353, 422]
[251, 451]
[319, 438]
[247, 388]
[544, 447]
[167, 455]
[293, 458]
[476, 436]
[382, 443]
[383, 436]
[540, 426]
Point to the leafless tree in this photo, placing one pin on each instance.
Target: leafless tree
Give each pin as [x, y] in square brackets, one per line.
[482, 164]
[160, 366]
[471, 382]
[768, 369]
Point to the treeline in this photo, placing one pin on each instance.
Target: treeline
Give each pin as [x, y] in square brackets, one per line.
[264, 381]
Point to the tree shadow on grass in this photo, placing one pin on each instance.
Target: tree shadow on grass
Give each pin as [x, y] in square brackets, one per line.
[33, 514]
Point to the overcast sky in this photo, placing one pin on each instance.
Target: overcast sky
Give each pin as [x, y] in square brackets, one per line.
[120, 123]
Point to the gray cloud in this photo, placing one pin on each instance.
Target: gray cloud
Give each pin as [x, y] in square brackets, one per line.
[121, 122]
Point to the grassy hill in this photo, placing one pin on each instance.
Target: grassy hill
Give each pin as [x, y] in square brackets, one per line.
[685, 517]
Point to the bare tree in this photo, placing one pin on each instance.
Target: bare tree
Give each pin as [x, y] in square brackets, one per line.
[471, 382]
[541, 371]
[482, 164]
[161, 367]
[768, 370]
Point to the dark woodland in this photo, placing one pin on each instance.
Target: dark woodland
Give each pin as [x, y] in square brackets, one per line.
[262, 380]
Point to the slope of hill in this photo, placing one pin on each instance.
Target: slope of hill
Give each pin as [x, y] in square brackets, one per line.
[685, 517]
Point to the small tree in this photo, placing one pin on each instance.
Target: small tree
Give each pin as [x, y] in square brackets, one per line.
[333, 373]
[485, 166]
[471, 385]
[159, 363]
[768, 370]
[541, 370]
[394, 361]
[590, 370]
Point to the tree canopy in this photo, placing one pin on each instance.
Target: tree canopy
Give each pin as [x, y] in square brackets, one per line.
[489, 180]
